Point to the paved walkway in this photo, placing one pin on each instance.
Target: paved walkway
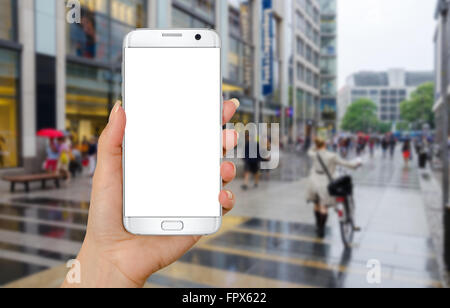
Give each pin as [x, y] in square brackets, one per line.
[268, 240]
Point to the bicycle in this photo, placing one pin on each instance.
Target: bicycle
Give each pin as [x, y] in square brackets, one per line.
[345, 209]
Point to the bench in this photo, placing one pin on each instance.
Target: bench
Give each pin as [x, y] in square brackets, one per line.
[26, 179]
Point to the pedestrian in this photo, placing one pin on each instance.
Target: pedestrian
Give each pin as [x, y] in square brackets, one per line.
[51, 162]
[361, 145]
[422, 152]
[92, 154]
[76, 162]
[252, 162]
[406, 150]
[392, 145]
[318, 181]
[384, 145]
[372, 146]
[64, 150]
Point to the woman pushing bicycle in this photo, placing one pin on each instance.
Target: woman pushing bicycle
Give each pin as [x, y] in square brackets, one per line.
[324, 165]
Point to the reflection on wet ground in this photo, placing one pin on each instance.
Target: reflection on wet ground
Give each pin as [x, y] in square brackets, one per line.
[41, 232]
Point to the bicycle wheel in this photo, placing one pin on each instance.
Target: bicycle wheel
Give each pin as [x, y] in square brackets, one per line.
[347, 223]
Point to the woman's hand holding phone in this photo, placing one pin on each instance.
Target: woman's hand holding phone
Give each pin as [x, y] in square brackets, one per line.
[112, 257]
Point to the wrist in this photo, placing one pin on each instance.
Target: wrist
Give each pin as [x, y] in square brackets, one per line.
[98, 271]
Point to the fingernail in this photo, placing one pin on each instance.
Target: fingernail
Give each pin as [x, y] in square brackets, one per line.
[115, 110]
[117, 107]
[236, 102]
[229, 195]
[234, 167]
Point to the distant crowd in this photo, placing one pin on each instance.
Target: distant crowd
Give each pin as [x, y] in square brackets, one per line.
[71, 158]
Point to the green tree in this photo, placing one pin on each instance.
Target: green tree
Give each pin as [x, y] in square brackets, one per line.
[419, 109]
[402, 126]
[361, 116]
[384, 127]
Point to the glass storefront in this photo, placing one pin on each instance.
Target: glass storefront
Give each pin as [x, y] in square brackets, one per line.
[88, 97]
[9, 88]
[92, 89]
[8, 108]
[104, 24]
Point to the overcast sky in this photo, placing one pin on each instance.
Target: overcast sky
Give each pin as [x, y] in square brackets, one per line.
[382, 34]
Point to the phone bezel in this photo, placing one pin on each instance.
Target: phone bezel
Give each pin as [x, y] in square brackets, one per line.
[171, 38]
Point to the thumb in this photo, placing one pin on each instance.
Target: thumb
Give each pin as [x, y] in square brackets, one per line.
[109, 165]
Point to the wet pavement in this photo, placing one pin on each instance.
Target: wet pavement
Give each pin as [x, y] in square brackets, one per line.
[268, 240]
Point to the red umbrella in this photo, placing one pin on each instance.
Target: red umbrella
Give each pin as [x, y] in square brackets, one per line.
[50, 133]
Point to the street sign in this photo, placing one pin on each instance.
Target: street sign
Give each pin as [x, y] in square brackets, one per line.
[267, 46]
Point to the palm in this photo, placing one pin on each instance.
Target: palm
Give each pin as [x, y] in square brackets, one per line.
[136, 257]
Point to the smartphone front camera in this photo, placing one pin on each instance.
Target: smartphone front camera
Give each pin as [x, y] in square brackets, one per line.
[198, 37]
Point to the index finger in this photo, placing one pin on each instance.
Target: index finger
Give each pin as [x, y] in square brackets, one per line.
[229, 109]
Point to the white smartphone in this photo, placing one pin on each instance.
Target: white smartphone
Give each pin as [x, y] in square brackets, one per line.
[172, 96]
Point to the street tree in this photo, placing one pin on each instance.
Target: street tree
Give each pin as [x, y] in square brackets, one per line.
[361, 116]
[418, 110]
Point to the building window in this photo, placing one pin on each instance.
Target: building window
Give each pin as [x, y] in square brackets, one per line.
[7, 17]
[328, 87]
[328, 46]
[180, 19]
[309, 55]
[309, 77]
[300, 47]
[328, 66]
[300, 72]
[328, 7]
[92, 89]
[235, 61]
[301, 23]
[328, 25]
[104, 24]
[195, 14]
[8, 108]
[88, 96]
[300, 103]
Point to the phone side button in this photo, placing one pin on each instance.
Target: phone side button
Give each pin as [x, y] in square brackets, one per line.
[172, 225]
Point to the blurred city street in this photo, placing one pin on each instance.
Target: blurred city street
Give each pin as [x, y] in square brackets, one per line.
[269, 240]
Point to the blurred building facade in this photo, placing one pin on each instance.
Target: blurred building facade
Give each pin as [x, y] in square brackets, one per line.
[305, 93]
[386, 89]
[328, 64]
[55, 74]
[439, 69]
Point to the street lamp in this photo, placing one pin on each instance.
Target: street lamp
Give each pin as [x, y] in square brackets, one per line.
[442, 13]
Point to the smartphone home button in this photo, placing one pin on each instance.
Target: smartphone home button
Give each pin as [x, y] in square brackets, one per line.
[172, 226]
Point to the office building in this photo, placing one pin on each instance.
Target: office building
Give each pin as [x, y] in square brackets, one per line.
[67, 75]
[439, 69]
[306, 68]
[386, 89]
[328, 64]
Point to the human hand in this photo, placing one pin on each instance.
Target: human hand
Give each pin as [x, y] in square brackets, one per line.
[112, 257]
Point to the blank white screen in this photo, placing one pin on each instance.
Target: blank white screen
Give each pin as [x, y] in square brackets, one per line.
[172, 139]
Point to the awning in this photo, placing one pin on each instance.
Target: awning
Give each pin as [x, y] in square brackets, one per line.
[231, 88]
